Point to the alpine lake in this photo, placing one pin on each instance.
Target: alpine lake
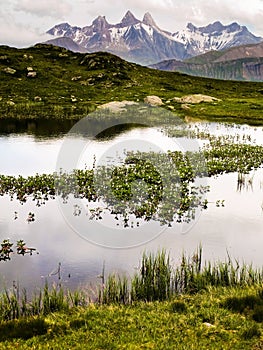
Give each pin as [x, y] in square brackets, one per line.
[117, 186]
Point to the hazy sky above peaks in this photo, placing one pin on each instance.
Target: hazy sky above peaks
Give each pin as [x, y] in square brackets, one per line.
[24, 22]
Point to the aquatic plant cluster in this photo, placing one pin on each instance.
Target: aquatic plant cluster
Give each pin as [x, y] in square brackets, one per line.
[222, 154]
[155, 280]
[40, 187]
[147, 185]
[6, 249]
[158, 279]
[151, 185]
[194, 131]
[224, 157]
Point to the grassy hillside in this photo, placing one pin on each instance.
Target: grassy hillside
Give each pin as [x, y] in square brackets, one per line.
[232, 53]
[50, 82]
[244, 63]
[219, 318]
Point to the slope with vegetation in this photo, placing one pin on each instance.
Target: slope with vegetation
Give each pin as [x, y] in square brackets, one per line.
[243, 63]
[47, 82]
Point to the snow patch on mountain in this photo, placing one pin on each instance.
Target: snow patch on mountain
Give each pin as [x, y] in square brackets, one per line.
[215, 36]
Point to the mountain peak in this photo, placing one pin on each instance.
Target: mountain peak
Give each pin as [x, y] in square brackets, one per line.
[234, 27]
[100, 19]
[143, 42]
[129, 19]
[213, 27]
[147, 19]
[59, 28]
[100, 23]
[191, 27]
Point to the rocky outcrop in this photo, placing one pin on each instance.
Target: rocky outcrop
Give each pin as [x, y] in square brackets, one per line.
[31, 73]
[117, 106]
[253, 71]
[196, 98]
[128, 20]
[9, 70]
[153, 100]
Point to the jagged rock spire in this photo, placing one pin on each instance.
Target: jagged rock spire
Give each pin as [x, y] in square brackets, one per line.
[147, 19]
[100, 23]
[129, 19]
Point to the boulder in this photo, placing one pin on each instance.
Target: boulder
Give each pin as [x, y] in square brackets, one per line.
[177, 99]
[76, 78]
[9, 70]
[153, 100]
[185, 106]
[31, 74]
[196, 98]
[117, 106]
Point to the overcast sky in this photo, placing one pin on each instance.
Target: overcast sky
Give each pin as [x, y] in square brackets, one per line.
[24, 22]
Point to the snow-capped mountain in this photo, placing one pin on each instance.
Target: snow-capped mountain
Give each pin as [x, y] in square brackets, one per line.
[142, 41]
[215, 36]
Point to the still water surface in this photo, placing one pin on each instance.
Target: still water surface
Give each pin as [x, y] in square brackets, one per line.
[236, 228]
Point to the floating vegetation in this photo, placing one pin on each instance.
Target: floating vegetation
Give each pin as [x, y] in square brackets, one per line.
[6, 249]
[30, 217]
[226, 157]
[203, 133]
[150, 186]
[147, 185]
[39, 187]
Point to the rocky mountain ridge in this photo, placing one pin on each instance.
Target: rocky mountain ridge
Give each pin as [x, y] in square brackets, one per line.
[237, 63]
[143, 42]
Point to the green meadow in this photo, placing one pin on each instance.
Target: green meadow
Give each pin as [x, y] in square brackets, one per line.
[52, 83]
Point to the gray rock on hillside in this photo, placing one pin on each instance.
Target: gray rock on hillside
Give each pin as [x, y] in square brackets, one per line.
[9, 70]
[196, 98]
[153, 100]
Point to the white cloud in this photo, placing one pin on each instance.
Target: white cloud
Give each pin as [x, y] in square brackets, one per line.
[27, 36]
[248, 12]
[25, 20]
[19, 32]
[48, 8]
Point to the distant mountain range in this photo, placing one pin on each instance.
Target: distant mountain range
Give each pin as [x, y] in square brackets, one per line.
[237, 63]
[143, 42]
